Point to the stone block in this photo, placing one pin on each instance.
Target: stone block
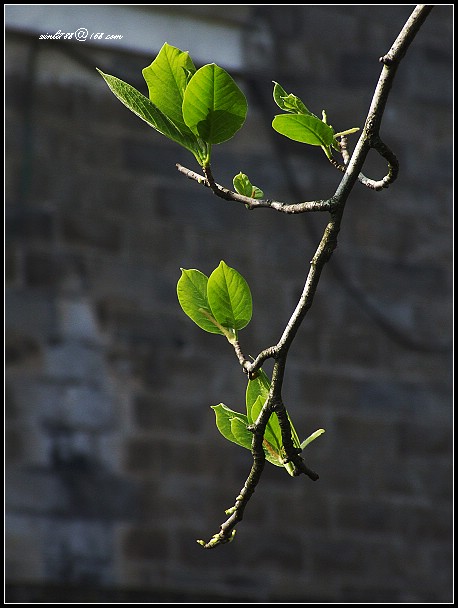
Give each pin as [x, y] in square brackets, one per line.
[421, 439]
[13, 445]
[92, 230]
[24, 537]
[12, 265]
[22, 349]
[146, 543]
[74, 404]
[77, 320]
[371, 516]
[30, 312]
[46, 270]
[78, 551]
[86, 407]
[155, 156]
[35, 491]
[72, 361]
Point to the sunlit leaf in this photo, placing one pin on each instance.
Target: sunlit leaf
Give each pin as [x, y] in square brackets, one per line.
[147, 111]
[306, 129]
[224, 417]
[243, 186]
[258, 387]
[214, 107]
[229, 297]
[289, 102]
[257, 193]
[192, 296]
[241, 434]
[272, 434]
[167, 77]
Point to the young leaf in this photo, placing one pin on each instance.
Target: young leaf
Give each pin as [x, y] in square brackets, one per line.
[233, 426]
[241, 434]
[295, 105]
[289, 102]
[224, 418]
[242, 185]
[257, 192]
[147, 111]
[257, 393]
[258, 387]
[279, 94]
[167, 78]
[229, 297]
[271, 454]
[305, 129]
[272, 433]
[214, 107]
[192, 296]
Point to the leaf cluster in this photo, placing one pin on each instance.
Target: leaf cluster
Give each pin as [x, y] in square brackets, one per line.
[194, 108]
[198, 108]
[236, 427]
[299, 124]
[222, 304]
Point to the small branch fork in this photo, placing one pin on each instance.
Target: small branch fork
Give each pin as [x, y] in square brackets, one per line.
[369, 139]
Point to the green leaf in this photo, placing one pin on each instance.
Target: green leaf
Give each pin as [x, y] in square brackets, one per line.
[258, 387]
[233, 426]
[257, 392]
[214, 107]
[192, 296]
[271, 454]
[305, 129]
[147, 111]
[229, 297]
[241, 434]
[224, 421]
[167, 78]
[289, 102]
[257, 192]
[243, 186]
[279, 94]
[295, 105]
[272, 433]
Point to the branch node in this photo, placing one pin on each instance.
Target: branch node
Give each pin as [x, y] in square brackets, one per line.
[386, 60]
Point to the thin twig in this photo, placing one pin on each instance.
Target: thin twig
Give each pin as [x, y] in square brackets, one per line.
[384, 151]
[254, 203]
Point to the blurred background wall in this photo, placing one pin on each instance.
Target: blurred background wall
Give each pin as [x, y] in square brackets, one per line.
[114, 463]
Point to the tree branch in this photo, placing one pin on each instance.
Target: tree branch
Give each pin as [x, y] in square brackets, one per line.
[253, 203]
[369, 138]
[227, 530]
[384, 151]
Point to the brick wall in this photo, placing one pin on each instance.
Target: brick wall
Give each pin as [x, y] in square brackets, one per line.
[114, 464]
